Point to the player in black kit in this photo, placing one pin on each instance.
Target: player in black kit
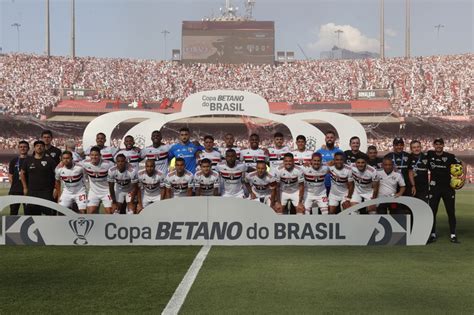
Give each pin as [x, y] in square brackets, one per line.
[440, 166]
[418, 172]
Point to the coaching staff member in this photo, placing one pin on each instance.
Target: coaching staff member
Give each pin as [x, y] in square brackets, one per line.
[49, 149]
[37, 178]
[440, 188]
[14, 168]
[418, 165]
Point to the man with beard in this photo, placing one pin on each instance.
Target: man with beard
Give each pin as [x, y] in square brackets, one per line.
[276, 153]
[418, 166]
[327, 152]
[107, 153]
[131, 152]
[186, 150]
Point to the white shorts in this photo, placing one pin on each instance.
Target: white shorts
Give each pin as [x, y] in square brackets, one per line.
[293, 197]
[123, 196]
[149, 199]
[67, 199]
[358, 198]
[335, 200]
[94, 199]
[310, 200]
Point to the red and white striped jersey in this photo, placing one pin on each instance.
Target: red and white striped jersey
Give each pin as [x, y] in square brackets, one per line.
[207, 184]
[302, 158]
[314, 180]
[250, 157]
[151, 185]
[73, 178]
[97, 175]
[232, 178]
[107, 153]
[160, 155]
[261, 186]
[289, 179]
[224, 149]
[339, 180]
[214, 156]
[179, 185]
[363, 180]
[133, 156]
[275, 156]
[123, 180]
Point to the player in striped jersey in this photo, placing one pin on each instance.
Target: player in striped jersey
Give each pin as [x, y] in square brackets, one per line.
[261, 185]
[229, 144]
[301, 155]
[123, 179]
[315, 190]
[97, 169]
[131, 152]
[151, 182]
[179, 182]
[206, 181]
[72, 175]
[290, 189]
[366, 184]
[341, 181]
[209, 152]
[158, 152]
[275, 154]
[232, 174]
[250, 156]
[106, 152]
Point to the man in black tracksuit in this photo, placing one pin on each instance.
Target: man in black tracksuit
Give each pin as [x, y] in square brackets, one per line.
[440, 166]
[418, 166]
[400, 163]
[14, 167]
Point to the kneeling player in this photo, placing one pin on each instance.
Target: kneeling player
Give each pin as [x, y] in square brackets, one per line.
[315, 190]
[341, 181]
[206, 181]
[290, 185]
[123, 179]
[179, 182]
[366, 184]
[261, 185]
[151, 182]
[72, 175]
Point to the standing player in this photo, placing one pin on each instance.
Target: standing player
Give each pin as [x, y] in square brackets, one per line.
[49, 149]
[354, 153]
[186, 150]
[123, 179]
[232, 174]
[151, 182]
[14, 167]
[72, 175]
[390, 183]
[158, 152]
[131, 152]
[206, 180]
[290, 191]
[229, 144]
[366, 184]
[107, 153]
[209, 152]
[179, 182]
[440, 166]
[277, 152]
[315, 191]
[97, 170]
[328, 152]
[341, 183]
[372, 158]
[250, 156]
[261, 185]
[418, 165]
[302, 156]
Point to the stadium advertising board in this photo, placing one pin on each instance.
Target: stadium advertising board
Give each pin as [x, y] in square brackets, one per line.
[374, 94]
[228, 42]
[217, 221]
[78, 93]
[229, 102]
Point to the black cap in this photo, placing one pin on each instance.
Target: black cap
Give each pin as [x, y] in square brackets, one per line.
[398, 140]
[438, 140]
[38, 142]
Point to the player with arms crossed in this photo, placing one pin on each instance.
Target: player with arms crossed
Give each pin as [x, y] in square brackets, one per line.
[179, 182]
[366, 184]
[290, 189]
[314, 190]
[232, 174]
[341, 182]
[206, 181]
[97, 170]
[151, 182]
[261, 185]
[72, 175]
[123, 185]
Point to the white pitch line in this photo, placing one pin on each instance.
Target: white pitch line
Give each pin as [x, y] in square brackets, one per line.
[177, 300]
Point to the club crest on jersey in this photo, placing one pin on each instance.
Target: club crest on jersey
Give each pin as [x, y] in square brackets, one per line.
[405, 158]
[53, 154]
[44, 163]
[444, 158]
[424, 161]
[190, 149]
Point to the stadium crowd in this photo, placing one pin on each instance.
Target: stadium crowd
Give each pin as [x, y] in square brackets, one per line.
[429, 86]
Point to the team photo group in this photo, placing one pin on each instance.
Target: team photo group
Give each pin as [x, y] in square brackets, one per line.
[298, 181]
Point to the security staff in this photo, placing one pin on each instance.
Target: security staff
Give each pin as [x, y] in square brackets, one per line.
[418, 165]
[440, 166]
[14, 174]
[37, 179]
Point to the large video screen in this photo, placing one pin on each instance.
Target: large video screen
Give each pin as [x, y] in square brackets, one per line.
[228, 42]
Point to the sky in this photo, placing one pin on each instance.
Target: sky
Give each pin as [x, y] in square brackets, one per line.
[132, 28]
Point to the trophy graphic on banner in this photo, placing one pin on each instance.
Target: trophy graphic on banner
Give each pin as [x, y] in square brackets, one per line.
[81, 227]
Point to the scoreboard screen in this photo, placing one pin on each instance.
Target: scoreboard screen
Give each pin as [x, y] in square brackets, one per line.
[228, 42]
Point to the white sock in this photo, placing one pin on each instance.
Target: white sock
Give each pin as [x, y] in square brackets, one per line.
[453, 235]
[433, 234]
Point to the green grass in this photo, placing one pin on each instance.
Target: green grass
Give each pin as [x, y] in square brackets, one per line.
[438, 278]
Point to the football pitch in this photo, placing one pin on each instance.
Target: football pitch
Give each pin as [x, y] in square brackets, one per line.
[433, 279]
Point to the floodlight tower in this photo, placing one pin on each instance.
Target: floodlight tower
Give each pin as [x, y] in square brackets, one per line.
[17, 25]
[382, 29]
[48, 44]
[249, 5]
[438, 27]
[407, 30]
[338, 32]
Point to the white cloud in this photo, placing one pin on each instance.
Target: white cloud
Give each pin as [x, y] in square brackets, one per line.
[390, 32]
[351, 38]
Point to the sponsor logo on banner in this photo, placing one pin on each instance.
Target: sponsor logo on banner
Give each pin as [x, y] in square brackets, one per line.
[223, 103]
[81, 227]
